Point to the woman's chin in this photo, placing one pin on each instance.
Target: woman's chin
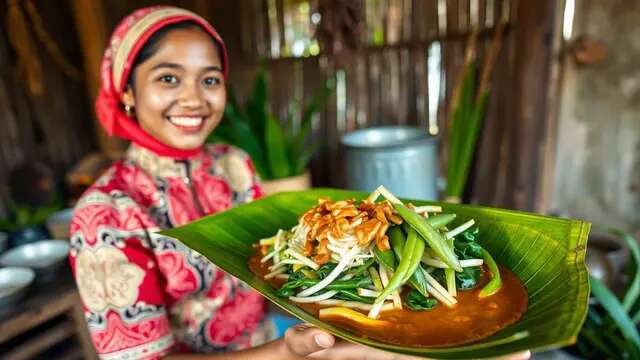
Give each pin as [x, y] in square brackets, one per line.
[187, 144]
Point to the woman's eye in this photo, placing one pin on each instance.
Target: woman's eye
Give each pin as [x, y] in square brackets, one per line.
[211, 81]
[169, 79]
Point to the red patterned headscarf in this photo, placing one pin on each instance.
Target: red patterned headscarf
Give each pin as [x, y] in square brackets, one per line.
[126, 41]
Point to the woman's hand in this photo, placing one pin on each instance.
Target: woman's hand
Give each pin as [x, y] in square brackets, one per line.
[306, 341]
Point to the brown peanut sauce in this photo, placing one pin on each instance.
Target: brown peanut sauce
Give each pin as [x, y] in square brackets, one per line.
[470, 320]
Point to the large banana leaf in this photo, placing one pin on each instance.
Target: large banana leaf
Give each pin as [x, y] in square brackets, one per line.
[546, 253]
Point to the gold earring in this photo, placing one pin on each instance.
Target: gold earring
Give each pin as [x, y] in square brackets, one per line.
[128, 109]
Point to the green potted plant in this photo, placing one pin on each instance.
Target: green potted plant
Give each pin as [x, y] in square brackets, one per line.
[280, 150]
[25, 224]
[610, 329]
[467, 111]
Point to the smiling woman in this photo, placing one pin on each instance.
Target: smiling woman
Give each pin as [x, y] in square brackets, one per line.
[177, 87]
[147, 295]
[163, 88]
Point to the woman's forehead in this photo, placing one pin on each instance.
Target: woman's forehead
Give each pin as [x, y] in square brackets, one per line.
[188, 47]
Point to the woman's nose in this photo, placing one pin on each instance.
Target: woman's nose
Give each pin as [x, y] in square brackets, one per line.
[190, 97]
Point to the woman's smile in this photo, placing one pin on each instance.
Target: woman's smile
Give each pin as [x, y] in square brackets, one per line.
[188, 123]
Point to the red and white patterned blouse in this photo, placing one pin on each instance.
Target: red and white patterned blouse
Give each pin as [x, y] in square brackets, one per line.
[144, 294]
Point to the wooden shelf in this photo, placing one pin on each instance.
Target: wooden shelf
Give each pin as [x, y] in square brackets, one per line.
[73, 353]
[34, 310]
[42, 342]
[49, 320]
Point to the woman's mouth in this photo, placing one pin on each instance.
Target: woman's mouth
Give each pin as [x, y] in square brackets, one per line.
[188, 124]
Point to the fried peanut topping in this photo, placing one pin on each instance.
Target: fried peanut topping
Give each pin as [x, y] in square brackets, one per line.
[367, 222]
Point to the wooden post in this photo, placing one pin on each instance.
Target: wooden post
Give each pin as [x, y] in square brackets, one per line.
[92, 32]
[534, 35]
[550, 147]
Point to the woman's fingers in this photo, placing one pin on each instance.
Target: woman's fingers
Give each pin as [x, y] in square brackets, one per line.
[344, 350]
[304, 339]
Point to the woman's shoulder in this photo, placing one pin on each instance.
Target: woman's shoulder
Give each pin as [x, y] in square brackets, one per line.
[228, 158]
[236, 166]
[112, 202]
[109, 188]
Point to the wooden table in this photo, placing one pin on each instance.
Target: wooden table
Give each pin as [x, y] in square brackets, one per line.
[47, 323]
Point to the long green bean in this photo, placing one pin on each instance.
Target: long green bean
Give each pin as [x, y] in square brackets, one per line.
[495, 283]
[413, 244]
[435, 240]
[397, 245]
[417, 278]
[398, 248]
[440, 220]
[416, 255]
[397, 239]
[436, 221]
[450, 275]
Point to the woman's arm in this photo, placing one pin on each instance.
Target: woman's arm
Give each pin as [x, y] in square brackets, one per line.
[306, 342]
[116, 273]
[272, 350]
[298, 342]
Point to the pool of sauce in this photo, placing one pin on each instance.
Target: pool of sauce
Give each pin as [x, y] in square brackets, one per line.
[470, 320]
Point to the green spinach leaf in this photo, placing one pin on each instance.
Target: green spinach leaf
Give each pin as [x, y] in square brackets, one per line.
[468, 278]
[325, 270]
[466, 245]
[417, 302]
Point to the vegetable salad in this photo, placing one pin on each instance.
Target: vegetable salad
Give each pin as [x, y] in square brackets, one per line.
[358, 259]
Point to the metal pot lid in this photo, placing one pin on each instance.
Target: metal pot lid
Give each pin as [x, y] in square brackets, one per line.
[386, 136]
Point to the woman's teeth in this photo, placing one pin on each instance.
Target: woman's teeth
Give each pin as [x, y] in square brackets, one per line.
[186, 120]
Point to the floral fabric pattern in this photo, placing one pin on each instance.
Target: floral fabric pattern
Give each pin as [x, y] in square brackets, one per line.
[106, 277]
[145, 294]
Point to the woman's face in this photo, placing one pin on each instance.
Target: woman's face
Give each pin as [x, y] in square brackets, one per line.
[179, 92]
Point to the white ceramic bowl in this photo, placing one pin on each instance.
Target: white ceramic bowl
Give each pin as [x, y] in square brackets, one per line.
[37, 255]
[14, 282]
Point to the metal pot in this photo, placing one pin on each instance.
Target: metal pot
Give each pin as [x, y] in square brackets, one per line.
[402, 158]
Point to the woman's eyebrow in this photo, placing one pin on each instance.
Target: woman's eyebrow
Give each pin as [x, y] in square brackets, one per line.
[213, 68]
[167, 65]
